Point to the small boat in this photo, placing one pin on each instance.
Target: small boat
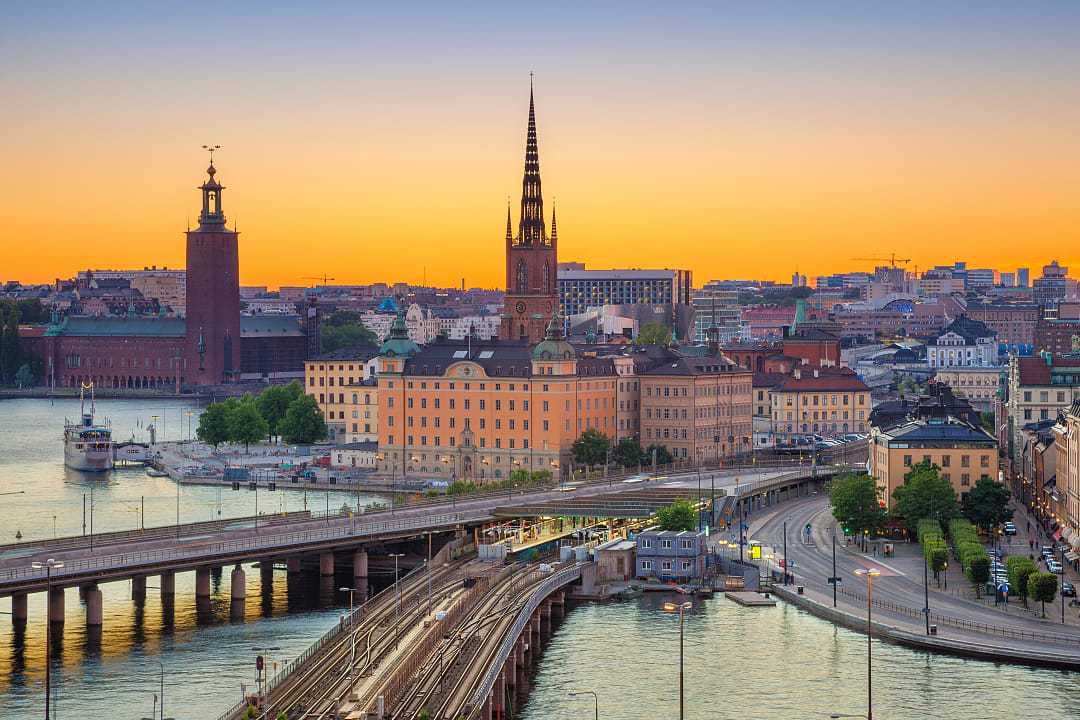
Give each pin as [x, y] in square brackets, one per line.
[88, 446]
[154, 472]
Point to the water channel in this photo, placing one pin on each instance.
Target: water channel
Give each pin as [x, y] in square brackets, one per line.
[761, 663]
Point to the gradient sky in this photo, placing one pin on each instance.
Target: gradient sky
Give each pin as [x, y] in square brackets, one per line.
[370, 142]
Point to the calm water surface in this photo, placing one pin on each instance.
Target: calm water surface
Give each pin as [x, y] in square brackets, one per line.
[115, 674]
[769, 664]
[776, 663]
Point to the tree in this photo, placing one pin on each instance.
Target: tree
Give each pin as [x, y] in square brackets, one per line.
[274, 403]
[10, 352]
[855, 503]
[654, 333]
[1042, 587]
[658, 453]
[213, 425]
[591, 448]
[628, 452]
[978, 572]
[342, 329]
[924, 494]
[1019, 568]
[987, 504]
[303, 422]
[680, 515]
[24, 377]
[246, 423]
[32, 311]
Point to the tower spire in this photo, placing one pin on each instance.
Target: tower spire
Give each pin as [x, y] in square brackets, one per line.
[554, 227]
[531, 229]
[509, 227]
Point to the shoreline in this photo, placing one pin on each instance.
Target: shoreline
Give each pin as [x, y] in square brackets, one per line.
[961, 648]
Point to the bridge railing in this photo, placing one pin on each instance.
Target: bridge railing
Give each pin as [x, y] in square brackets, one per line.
[208, 551]
[553, 583]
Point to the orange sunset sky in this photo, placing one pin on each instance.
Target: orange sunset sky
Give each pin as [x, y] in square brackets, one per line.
[375, 143]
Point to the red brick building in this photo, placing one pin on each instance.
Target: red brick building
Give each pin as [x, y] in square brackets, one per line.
[213, 345]
[531, 257]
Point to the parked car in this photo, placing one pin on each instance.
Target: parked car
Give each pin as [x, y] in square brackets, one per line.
[1010, 528]
[1054, 566]
[1068, 589]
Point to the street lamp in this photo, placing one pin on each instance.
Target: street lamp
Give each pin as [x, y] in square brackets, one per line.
[870, 574]
[681, 608]
[350, 591]
[397, 584]
[596, 701]
[49, 565]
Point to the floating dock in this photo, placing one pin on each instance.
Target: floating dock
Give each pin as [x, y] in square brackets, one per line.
[751, 599]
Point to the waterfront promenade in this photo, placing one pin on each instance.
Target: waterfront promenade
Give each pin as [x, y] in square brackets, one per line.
[963, 626]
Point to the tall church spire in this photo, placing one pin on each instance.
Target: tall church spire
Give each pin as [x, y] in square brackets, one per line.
[509, 227]
[554, 227]
[531, 225]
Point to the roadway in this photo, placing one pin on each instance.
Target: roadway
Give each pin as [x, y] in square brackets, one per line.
[900, 583]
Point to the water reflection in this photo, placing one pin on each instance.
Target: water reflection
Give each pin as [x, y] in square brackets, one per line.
[772, 663]
[205, 644]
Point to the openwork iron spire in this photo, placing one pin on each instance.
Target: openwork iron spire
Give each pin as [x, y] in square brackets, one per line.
[531, 225]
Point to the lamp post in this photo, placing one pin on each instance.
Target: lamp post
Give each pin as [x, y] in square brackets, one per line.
[870, 574]
[49, 565]
[397, 585]
[596, 701]
[681, 608]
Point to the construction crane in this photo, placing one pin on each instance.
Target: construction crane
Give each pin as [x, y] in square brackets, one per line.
[325, 278]
[892, 259]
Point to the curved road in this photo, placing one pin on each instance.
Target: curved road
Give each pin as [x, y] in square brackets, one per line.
[812, 565]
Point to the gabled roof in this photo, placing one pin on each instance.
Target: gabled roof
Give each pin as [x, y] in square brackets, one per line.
[355, 353]
[936, 431]
[970, 330]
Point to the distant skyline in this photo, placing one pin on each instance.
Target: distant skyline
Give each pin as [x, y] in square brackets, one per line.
[370, 143]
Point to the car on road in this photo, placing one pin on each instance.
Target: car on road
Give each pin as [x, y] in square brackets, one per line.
[1054, 566]
[1068, 589]
[1010, 528]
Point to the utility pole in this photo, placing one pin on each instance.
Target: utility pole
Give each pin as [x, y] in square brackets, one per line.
[835, 579]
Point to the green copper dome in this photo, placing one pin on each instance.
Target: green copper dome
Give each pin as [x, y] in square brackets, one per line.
[398, 343]
[553, 346]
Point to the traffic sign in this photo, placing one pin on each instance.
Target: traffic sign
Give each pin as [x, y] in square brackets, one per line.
[835, 580]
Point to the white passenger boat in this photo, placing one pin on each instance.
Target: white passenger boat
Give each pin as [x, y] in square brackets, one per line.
[88, 446]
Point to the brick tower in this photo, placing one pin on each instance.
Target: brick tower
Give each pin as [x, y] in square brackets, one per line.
[212, 342]
[531, 264]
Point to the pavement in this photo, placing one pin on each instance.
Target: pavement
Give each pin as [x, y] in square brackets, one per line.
[899, 593]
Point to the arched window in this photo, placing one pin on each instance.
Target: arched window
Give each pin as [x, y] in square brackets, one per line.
[522, 278]
[546, 278]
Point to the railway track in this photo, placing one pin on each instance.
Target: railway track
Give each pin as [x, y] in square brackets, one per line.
[466, 652]
[316, 688]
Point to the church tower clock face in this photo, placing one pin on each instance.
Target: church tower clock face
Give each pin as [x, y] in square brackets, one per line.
[520, 307]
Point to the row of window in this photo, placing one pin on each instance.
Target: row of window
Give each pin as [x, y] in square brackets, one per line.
[665, 565]
[946, 460]
[819, 400]
[668, 543]
[328, 398]
[822, 415]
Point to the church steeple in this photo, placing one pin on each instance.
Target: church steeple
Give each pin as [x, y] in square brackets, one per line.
[509, 227]
[531, 225]
[554, 227]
